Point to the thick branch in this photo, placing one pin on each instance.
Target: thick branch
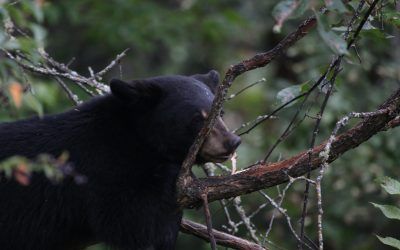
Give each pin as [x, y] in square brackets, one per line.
[221, 238]
[185, 181]
[393, 123]
[267, 175]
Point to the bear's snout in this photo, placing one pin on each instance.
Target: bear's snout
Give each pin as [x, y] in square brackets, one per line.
[232, 143]
[220, 144]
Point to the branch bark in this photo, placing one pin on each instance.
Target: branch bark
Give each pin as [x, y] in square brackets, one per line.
[263, 175]
[221, 238]
[187, 184]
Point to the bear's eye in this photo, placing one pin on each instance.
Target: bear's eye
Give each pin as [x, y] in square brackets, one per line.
[197, 118]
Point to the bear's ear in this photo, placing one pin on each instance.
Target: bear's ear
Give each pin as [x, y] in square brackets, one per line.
[211, 79]
[135, 91]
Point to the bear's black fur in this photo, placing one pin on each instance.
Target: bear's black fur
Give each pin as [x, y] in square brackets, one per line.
[129, 144]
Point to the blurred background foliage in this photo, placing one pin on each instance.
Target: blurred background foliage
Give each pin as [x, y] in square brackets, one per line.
[193, 36]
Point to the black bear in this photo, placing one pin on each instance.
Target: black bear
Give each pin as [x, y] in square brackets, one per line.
[130, 145]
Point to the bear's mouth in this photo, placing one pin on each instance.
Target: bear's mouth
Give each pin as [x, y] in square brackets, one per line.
[222, 158]
[216, 158]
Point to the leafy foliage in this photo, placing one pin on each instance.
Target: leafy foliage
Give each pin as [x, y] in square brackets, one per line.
[390, 241]
[391, 186]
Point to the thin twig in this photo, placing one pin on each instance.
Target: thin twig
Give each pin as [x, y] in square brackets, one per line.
[335, 67]
[207, 214]
[111, 65]
[259, 118]
[246, 88]
[260, 60]
[245, 219]
[263, 175]
[52, 72]
[221, 238]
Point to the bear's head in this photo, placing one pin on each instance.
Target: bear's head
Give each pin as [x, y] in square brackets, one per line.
[169, 112]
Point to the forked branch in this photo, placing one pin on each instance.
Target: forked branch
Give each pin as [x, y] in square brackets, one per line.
[264, 175]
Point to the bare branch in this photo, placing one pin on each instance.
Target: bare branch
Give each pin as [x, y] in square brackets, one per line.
[55, 73]
[393, 123]
[221, 238]
[185, 181]
[246, 219]
[267, 175]
[207, 214]
[114, 62]
[335, 68]
[246, 88]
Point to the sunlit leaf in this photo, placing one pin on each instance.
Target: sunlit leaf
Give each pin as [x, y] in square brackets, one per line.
[389, 211]
[390, 241]
[391, 185]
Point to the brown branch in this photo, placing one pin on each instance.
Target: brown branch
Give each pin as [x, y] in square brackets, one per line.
[393, 123]
[207, 214]
[111, 65]
[263, 175]
[186, 185]
[221, 238]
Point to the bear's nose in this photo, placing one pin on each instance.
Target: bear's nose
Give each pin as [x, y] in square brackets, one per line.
[233, 142]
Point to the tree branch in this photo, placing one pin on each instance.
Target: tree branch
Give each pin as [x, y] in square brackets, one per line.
[221, 238]
[262, 175]
[186, 185]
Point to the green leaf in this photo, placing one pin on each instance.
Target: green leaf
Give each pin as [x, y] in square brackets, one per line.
[390, 241]
[391, 185]
[389, 211]
[287, 94]
[288, 9]
[304, 87]
[335, 42]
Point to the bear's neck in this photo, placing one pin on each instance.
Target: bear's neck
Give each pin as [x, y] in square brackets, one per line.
[108, 122]
[104, 129]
